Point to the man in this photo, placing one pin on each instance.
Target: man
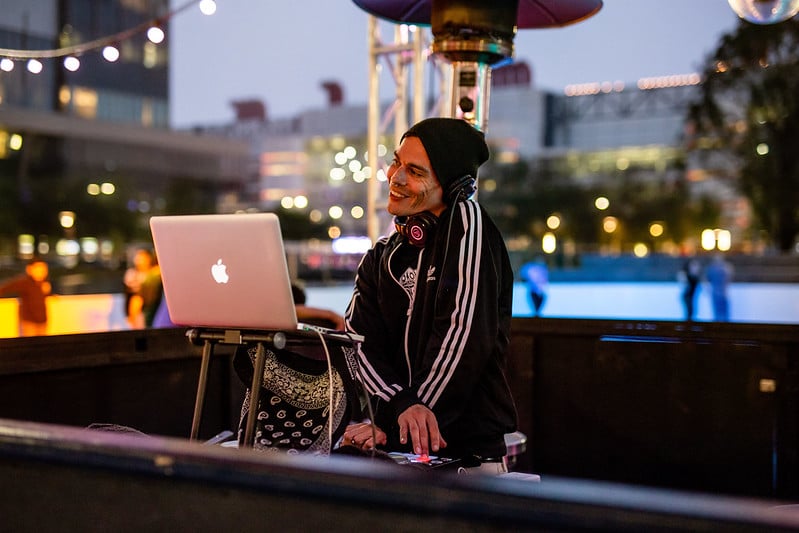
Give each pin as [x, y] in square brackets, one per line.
[433, 301]
[32, 288]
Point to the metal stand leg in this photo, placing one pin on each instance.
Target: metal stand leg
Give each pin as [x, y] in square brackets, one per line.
[255, 389]
[277, 340]
[200, 400]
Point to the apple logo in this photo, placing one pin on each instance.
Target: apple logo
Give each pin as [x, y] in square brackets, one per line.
[219, 272]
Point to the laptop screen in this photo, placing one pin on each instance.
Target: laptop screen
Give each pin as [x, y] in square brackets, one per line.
[224, 270]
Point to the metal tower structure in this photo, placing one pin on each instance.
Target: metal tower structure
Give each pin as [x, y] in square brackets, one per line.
[470, 36]
[406, 57]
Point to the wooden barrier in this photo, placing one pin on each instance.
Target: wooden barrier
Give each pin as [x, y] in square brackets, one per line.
[57, 478]
[704, 406]
[698, 406]
[145, 379]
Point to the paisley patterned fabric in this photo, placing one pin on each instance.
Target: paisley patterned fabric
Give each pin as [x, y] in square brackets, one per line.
[295, 411]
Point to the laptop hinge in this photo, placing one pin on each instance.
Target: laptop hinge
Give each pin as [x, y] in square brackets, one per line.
[232, 336]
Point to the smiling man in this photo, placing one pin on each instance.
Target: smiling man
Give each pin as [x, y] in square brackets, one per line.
[433, 302]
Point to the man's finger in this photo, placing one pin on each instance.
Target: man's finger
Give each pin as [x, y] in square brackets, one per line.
[415, 440]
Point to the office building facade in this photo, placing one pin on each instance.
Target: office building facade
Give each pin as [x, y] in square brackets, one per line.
[91, 137]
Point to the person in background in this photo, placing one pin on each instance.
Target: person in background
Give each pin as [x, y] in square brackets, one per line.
[32, 289]
[690, 275]
[145, 303]
[433, 302]
[135, 276]
[719, 275]
[314, 315]
[536, 276]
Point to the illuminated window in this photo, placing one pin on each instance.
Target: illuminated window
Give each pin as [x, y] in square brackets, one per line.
[84, 102]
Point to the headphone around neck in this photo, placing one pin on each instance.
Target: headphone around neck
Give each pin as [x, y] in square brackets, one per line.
[416, 228]
[460, 189]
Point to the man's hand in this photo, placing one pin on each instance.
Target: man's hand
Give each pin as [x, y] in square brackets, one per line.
[363, 435]
[422, 425]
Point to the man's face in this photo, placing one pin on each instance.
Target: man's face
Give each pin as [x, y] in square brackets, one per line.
[413, 186]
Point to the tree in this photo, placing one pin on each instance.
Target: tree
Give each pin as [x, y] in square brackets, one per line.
[749, 107]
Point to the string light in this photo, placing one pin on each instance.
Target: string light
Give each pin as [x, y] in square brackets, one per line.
[111, 53]
[156, 34]
[71, 63]
[208, 7]
[35, 66]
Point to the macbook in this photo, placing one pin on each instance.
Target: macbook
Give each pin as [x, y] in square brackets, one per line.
[224, 271]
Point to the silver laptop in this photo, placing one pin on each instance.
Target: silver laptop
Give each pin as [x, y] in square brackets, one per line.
[224, 271]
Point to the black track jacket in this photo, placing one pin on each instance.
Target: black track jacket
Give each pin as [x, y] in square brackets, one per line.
[436, 324]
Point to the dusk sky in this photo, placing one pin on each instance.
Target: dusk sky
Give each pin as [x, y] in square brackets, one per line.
[281, 52]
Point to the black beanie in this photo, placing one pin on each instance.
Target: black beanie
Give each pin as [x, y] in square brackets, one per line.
[455, 147]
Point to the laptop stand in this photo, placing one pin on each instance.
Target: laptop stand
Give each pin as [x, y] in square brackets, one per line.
[208, 338]
[276, 339]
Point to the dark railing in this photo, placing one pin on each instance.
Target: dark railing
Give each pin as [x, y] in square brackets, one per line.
[144, 379]
[58, 478]
[705, 407]
[696, 406]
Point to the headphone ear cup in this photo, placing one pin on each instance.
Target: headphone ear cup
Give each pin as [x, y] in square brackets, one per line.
[416, 228]
[460, 189]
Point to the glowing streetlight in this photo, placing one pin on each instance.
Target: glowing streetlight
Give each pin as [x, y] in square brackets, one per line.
[610, 224]
[66, 219]
[716, 238]
[15, 142]
[656, 229]
[549, 243]
[601, 203]
[723, 240]
[335, 212]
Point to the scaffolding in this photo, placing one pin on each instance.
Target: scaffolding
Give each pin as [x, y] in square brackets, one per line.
[406, 57]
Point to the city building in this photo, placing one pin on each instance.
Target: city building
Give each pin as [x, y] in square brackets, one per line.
[105, 123]
[592, 135]
[84, 133]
